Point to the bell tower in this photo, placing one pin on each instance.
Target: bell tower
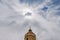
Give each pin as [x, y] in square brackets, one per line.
[30, 35]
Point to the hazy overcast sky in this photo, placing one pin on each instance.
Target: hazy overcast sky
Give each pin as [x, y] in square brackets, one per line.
[16, 16]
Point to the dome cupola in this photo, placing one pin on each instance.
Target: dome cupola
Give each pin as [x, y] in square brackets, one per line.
[30, 35]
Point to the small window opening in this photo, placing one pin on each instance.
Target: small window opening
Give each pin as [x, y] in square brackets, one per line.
[27, 38]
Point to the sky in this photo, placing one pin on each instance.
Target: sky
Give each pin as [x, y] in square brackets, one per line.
[16, 17]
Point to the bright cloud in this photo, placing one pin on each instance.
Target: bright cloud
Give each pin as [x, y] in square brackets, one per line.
[17, 15]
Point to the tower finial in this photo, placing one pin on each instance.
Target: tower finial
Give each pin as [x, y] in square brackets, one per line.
[30, 29]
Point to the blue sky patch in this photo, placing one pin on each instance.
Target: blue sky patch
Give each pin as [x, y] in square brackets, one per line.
[56, 2]
[30, 2]
[57, 14]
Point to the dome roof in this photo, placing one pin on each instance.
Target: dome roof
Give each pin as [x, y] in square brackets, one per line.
[30, 33]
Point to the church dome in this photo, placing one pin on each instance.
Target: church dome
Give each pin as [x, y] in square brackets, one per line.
[30, 33]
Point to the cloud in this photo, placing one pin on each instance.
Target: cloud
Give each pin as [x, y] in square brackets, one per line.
[45, 21]
[55, 2]
[45, 8]
[31, 2]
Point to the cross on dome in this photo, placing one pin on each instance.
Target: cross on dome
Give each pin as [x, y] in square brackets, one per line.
[30, 29]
